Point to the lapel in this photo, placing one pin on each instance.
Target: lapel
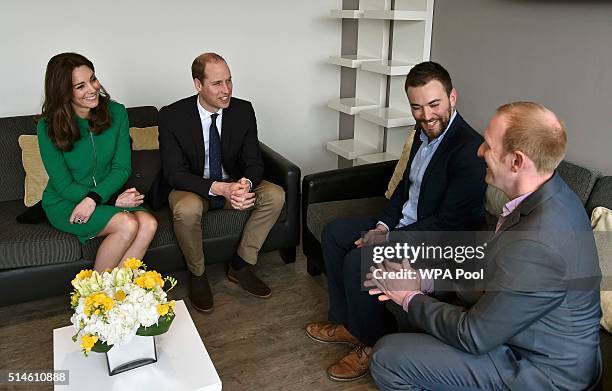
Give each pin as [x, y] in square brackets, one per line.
[442, 150]
[194, 127]
[226, 128]
[547, 190]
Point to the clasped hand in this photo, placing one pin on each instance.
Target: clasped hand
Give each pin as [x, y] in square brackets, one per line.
[392, 281]
[237, 193]
[130, 198]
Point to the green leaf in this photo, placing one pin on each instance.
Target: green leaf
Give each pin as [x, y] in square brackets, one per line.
[101, 347]
[157, 329]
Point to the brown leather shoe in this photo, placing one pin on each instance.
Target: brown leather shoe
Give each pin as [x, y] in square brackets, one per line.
[200, 294]
[352, 366]
[327, 332]
[248, 281]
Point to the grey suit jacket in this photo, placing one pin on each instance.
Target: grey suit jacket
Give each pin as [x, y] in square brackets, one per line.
[538, 315]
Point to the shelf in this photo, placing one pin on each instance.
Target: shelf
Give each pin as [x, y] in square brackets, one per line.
[347, 14]
[351, 106]
[351, 60]
[351, 148]
[387, 117]
[388, 67]
[394, 14]
[376, 158]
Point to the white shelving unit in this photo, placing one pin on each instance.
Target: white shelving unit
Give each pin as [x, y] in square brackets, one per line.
[392, 36]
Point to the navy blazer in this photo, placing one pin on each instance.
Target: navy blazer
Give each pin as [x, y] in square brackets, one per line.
[453, 187]
[181, 145]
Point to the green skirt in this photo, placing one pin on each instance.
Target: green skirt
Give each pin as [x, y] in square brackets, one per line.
[59, 215]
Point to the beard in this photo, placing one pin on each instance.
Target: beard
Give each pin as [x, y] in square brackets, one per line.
[442, 122]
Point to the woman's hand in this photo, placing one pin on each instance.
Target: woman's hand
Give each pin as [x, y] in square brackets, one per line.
[82, 211]
[129, 199]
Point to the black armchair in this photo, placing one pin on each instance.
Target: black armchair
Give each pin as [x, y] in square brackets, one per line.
[333, 194]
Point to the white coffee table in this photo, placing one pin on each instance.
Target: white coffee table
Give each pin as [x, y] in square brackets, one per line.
[182, 362]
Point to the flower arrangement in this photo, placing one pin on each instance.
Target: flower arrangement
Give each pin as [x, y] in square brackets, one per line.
[110, 308]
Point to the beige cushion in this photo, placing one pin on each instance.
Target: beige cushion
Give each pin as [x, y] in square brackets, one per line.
[495, 200]
[400, 167]
[601, 221]
[36, 176]
[144, 138]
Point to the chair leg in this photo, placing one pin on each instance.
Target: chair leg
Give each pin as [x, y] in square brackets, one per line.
[288, 254]
[312, 268]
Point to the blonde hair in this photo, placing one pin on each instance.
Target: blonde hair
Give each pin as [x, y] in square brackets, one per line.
[199, 64]
[536, 131]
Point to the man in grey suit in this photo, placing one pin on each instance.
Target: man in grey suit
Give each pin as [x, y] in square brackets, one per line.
[535, 326]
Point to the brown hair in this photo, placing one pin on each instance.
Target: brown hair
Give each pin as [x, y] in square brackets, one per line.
[427, 71]
[57, 108]
[199, 64]
[535, 131]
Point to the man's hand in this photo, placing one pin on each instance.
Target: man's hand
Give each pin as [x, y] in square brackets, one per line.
[82, 211]
[237, 193]
[374, 236]
[130, 198]
[407, 280]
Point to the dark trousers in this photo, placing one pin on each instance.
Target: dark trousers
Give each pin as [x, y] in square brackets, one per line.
[349, 302]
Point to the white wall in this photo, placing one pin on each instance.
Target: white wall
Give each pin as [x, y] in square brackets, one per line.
[142, 51]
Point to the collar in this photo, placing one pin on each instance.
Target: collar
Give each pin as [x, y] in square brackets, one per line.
[203, 112]
[511, 205]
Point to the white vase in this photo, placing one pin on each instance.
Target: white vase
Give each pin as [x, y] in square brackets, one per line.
[136, 353]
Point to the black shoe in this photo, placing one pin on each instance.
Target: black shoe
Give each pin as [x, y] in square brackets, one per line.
[248, 281]
[200, 293]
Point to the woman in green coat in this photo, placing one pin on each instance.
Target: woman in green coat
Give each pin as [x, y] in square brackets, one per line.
[85, 146]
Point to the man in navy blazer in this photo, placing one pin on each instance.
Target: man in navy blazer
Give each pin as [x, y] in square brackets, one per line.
[535, 325]
[211, 160]
[442, 189]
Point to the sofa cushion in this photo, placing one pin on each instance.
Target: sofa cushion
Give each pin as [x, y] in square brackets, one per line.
[581, 180]
[321, 213]
[144, 139]
[145, 166]
[400, 167]
[36, 176]
[601, 221]
[12, 175]
[601, 194]
[23, 245]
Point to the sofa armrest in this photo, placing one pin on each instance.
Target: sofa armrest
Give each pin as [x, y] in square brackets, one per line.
[369, 180]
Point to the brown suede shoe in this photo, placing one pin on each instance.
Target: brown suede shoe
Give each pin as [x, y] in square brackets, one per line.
[327, 332]
[352, 366]
[248, 281]
[200, 294]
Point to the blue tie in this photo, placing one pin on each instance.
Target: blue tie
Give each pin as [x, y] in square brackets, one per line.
[214, 160]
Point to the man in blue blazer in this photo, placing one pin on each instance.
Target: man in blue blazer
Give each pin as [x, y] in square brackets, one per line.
[442, 189]
[535, 325]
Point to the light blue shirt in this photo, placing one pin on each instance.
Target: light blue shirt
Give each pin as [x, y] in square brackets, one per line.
[417, 170]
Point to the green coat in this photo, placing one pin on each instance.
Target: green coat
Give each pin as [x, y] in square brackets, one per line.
[99, 163]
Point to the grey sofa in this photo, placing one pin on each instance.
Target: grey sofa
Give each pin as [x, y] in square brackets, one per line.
[330, 195]
[37, 261]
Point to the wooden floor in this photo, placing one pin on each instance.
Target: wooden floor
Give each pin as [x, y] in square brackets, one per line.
[255, 344]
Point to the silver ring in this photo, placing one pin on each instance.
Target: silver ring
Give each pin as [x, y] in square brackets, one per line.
[78, 221]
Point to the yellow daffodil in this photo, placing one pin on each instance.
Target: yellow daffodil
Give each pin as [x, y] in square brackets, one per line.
[82, 275]
[88, 341]
[120, 295]
[98, 303]
[162, 309]
[132, 263]
[74, 299]
[149, 280]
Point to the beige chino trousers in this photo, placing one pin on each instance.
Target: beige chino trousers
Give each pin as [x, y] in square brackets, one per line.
[188, 209]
